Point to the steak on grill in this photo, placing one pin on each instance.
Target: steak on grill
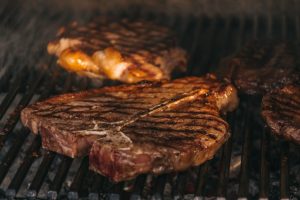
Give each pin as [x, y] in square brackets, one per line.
[281, 111]
[262, 66]
[147, 127]
[128, 51]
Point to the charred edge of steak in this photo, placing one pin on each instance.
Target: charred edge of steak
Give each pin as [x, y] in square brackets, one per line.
[120, 165]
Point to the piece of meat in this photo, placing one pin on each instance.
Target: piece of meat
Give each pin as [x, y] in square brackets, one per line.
[183, 135]
[123, 50]
[281, 111]
[127, 124]
[262, 66]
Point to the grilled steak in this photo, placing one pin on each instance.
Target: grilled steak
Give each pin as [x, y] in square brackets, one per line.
[128, 51]
[281, 111]
[149, 127]
[262, 66]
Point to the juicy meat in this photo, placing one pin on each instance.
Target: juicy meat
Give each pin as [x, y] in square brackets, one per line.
[281, 111]
[128, 51]
[150, 127]
[262, 66]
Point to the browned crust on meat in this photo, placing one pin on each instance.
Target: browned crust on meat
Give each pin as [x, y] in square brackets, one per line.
[109, 162]
[281, 111]
[33, 117]
[188, 135]
[124, 50]
[262, 66]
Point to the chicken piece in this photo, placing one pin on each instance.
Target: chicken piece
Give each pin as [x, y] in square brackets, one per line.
[127, 51]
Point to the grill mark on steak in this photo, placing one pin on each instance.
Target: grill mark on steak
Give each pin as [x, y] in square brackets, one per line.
[281, 111]
[288, 100]
[182, 130]
[262, 66]
[168, 132]
[286, 106]
[187, 123]
[168, 117]
[145, 137]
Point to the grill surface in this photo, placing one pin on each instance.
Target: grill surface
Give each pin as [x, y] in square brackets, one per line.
[252, 164]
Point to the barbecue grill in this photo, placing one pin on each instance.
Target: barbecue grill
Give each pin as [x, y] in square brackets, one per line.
[252, 164]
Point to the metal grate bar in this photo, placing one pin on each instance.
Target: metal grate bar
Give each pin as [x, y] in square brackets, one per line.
[129, 185]
[208, 46]
[48, 157]
[114, 193]
[31, 154]
[225, 160]
[264, 165]
[41, 173]
[23, 169]
[196, 30]
[158, 190]
[12, 153]
[240, 37]
[204, 50]
[200, 181]
[7, 76]
[138, 189]
[255, 27]
[297, 24]
[244, 173]
[78, 180]
[14, 117]
[55, 186]
[95, 188]
[178, 188]
[19, 139]
[13, 90]
[284, 171]
[222, 43]
[184, 24]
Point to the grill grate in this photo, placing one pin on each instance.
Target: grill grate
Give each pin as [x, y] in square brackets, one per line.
[240, 169]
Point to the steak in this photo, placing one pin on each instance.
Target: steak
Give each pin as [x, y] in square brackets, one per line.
[123, 50]
[148, 127]
[262, 66]
[281, 111]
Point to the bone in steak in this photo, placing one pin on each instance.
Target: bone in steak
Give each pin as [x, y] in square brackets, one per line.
[150, 127]
[262, 66]
[128, 51]
[281, 111]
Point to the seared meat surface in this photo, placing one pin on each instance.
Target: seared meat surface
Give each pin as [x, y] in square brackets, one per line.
[123, 50]
[262, 66]
[281, 111]
[148, 127]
